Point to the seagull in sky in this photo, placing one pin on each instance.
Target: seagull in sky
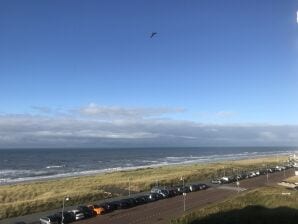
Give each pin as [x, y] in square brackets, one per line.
[153, 34]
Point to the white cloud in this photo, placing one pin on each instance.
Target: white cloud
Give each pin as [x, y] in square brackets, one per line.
[49, 131]
[113, 112]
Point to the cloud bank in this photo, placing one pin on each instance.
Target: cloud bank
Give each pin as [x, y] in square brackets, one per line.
[112, 112]
[102, 126]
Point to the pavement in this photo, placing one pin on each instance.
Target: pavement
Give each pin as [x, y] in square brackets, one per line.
[161, 212]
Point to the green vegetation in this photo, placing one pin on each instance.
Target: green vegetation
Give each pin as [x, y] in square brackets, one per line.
[26, 198]
[293, 179]
[263, 205]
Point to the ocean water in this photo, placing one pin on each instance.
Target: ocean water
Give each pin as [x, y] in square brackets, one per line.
[18, 165]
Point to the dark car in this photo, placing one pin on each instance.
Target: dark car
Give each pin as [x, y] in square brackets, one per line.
[109, 206]
[141, 200]
[244, 176]
[194, 187]
[122, 204]
[131, 201]
[203, 186]
[154, 196]
[173, 192]
[88, 213]
[234, 178]
[20, 222]
[183, 189]
[67, 217]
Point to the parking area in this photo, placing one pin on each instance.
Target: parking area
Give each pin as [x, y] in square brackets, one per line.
[161, 212]
[165, 203]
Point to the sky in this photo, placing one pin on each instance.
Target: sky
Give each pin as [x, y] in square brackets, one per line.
[86, 73]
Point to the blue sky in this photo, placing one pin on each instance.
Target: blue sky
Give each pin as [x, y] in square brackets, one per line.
[212, 62]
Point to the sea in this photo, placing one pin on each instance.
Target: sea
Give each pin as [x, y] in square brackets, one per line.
[23, 165]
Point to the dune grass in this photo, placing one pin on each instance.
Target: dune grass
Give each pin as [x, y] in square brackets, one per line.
[265, 199]
[26, 198]
[293, 179]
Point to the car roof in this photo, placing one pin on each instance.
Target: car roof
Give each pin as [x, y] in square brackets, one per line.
[75, 210]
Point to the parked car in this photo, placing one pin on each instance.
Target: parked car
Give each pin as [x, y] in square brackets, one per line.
[233, 178]
[251, 174]
[289, 165]
[98, 210]
[131, 201]
[182, 189]
[20, 222]
[194, 187]
[203, 186]
[163, 192]
[51, 219]
[270, 170]
[154, 196]
[225, 180]
[283, 167]
[277, 168]
[88, 213]
[109, 206]
[77, 214]
[141, 200]
[173, 192]
[67, 217]
[216, 181]
[245, 175]
[122, 204]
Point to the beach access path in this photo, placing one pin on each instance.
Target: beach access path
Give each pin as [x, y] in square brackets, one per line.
[161, 212]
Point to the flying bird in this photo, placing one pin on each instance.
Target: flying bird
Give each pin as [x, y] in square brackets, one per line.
[153, 34]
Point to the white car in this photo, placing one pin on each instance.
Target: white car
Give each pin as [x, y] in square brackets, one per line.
[77, 214]
[225, 180]
[216, 181]
[278, 168]
[252, 174]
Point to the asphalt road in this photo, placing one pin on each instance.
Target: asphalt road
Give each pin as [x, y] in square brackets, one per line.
[163, 211]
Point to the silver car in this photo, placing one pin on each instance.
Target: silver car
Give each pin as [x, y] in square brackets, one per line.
[49, 220]
[78, 215]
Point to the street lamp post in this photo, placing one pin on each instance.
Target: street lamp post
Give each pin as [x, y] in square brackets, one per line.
[267, 174]
[129, 186]
[184, 194]
[64, 199]
[184, 199]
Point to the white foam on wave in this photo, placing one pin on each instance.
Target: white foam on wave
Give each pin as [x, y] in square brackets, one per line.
[54, 166]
